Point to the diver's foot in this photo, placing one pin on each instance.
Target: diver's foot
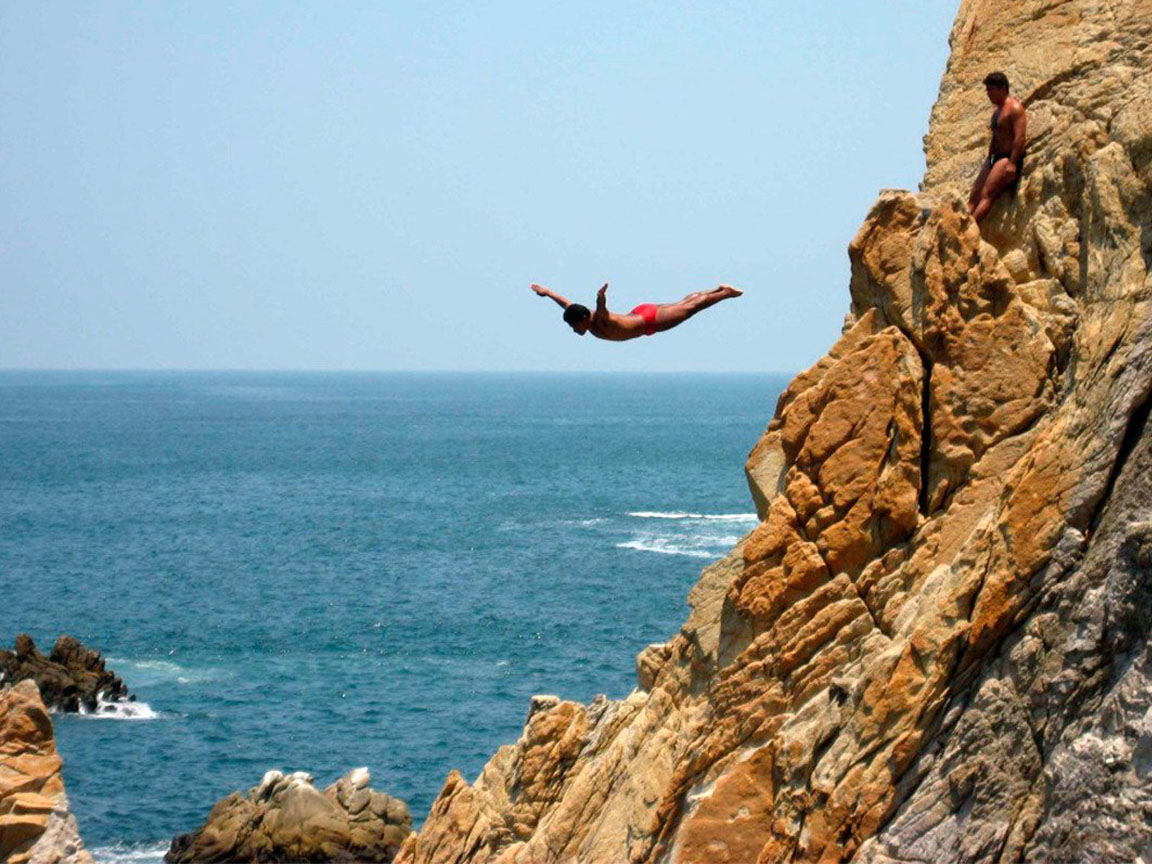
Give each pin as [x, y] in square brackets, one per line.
[729, 291]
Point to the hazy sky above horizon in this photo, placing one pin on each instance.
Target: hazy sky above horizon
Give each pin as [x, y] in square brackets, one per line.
[374, 185]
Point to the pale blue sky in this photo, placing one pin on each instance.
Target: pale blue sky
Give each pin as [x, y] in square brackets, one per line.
[373, 186]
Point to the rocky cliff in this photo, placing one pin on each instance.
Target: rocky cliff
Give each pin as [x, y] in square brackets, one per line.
[71, 678]
[286, 818]
[36, 826]
[934, 647]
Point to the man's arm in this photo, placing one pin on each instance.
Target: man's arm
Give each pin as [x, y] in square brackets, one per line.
[541, 291]
[601, 313]
[1019, 134]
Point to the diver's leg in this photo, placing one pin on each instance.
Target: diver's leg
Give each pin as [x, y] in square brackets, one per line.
[668, 315]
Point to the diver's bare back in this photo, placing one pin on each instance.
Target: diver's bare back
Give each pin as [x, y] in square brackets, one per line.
[616, 327]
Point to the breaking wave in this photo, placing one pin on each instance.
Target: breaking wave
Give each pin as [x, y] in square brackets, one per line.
[664, 547]
[129, 853]
[694, 535]
[708, 517]
[692, 547]
[121, 711]
[143, 673]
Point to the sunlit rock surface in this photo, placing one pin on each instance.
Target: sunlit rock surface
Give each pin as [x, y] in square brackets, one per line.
[36, 826]
[286, 818]
[934, 647]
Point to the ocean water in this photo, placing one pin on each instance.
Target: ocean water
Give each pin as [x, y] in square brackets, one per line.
[322, 571]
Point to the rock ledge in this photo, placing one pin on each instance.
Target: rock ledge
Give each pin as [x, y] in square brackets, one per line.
[286, 818]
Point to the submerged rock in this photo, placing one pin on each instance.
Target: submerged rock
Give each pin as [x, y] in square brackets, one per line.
[286, 818]
[935, 646]
[36, 826]
[71, 678]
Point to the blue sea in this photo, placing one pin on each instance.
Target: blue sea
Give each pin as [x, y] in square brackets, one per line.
[312, 571]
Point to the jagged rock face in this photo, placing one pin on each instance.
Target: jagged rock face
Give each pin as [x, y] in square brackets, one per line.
[36, 826]
[71, 678]
[934, 647]
[286, 818]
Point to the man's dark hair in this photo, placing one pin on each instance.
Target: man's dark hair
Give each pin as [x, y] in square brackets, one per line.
[996, 79]
[576, 313]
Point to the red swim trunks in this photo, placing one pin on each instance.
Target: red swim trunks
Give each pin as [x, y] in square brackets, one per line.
[647, 311]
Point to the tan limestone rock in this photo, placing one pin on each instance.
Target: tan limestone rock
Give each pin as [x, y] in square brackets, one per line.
[286, 818]
[36, 826]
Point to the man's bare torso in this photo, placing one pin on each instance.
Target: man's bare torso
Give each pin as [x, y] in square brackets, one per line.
[1003, 125]
[615, 327]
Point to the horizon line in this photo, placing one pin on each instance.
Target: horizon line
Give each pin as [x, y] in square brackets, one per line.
[331, 371]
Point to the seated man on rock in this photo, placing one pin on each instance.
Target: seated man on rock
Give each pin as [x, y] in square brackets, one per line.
[644, 320]
[1002, 166]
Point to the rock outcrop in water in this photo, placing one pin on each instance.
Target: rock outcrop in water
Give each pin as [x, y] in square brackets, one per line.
[36, 826]
[71, 678]
[935, 645]
[286, 818]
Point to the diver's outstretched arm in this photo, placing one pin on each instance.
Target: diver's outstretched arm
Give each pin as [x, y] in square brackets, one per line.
[541, 291]
[601, 313]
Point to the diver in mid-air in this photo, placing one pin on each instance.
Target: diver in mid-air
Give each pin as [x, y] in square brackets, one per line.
[644, 320]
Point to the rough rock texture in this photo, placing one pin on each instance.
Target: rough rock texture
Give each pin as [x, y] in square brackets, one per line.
[71, 678]
[36, 826]
[934, 647]
[286, 818]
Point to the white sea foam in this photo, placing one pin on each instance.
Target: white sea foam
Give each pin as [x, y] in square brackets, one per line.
[709, 517]
[727, 541]
[137, 673]
[665, 546]
[127, 853]
[121, 710]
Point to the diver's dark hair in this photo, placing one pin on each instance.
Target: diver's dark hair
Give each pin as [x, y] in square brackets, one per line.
[996, 79]
[575, 313]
